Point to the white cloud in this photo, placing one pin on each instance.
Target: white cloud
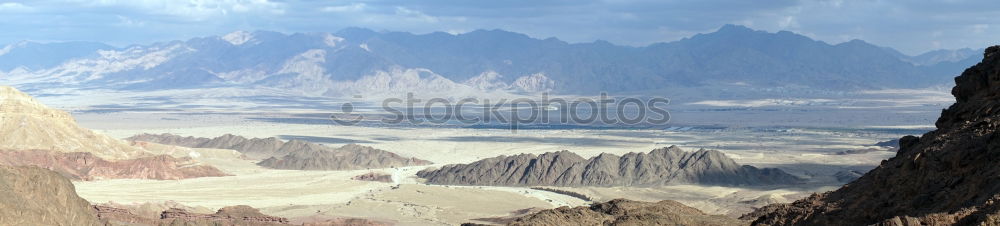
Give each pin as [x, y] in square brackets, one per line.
[414, 14]
[129, 22]
[194, 9]
[14, 7]
[356, 7]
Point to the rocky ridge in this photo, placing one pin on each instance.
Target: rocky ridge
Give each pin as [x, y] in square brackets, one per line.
[254, 148]
[86, 166]
[944, 177]
[625, 212]
[309, 156]
[294, 154]
[661, 166]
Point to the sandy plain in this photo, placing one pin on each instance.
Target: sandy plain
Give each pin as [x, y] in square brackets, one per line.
[798, 136]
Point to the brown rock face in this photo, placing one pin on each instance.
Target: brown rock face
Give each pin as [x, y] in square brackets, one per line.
[948, 176]
[625, 212]
[658, 167]
[86, 166]
[36, 196]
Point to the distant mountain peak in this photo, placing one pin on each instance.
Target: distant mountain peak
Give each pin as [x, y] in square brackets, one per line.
[733, 28]
[238, 37]
[356, 33]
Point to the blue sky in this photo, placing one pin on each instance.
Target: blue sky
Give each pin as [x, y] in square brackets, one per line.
[910, 26]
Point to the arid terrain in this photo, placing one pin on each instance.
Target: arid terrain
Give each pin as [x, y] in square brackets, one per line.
[808, 153]
[291, 112]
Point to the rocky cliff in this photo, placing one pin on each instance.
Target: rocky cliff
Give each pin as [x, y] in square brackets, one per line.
[36, 196]
[625, 212]
[308, 156]
[294, 154]
[87, 166]
[658, 167]
[948, 176]
[27, 124]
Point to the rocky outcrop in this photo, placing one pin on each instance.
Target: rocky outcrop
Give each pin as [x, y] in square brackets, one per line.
[948, 176]
[847, 175]
[309, 156]
[625, 212]
[87, 166]
[294, 154]
[372, 176]
[662, 166]
[26, 124]
[36, 196]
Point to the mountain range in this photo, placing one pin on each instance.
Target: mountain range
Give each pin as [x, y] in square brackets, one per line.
[662, 166]
[357, 61]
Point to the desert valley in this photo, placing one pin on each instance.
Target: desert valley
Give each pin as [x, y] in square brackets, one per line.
[727, 126]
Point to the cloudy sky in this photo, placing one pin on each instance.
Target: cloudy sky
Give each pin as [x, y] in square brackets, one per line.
[910, 26]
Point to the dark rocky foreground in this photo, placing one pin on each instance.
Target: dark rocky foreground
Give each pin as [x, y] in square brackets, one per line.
[623, 212]
[948, 176]
[658, 167]
[35, 196]
[294, 154]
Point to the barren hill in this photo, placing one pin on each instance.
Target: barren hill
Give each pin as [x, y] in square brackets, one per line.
[948, 176]
[26, 124]
[34, 134]
[658, 167]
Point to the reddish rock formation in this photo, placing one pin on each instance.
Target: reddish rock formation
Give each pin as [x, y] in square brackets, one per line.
[87, 166]
[948, 176]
